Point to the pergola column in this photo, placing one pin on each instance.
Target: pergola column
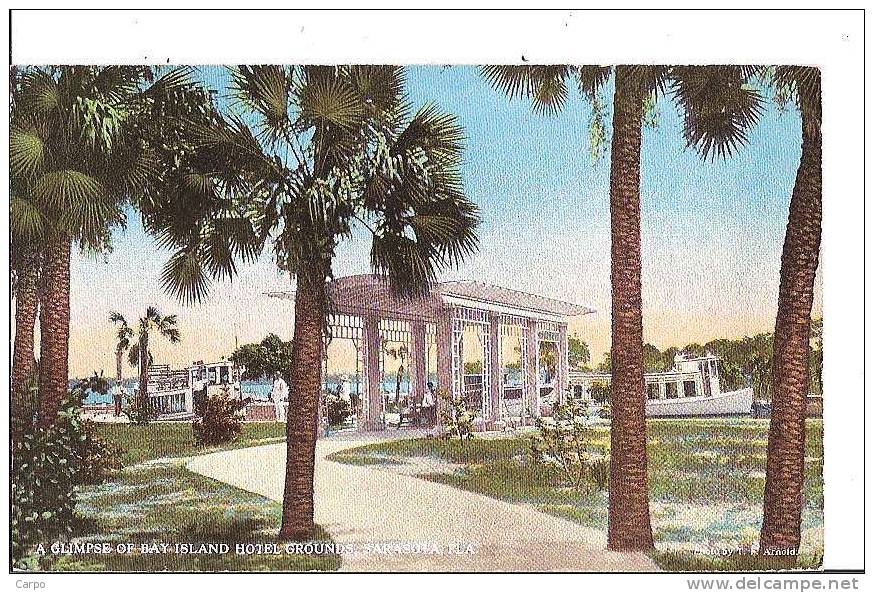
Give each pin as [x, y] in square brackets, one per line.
[561, 380]
[496, 380]
[418, 355]
[532, 375]
[374, 419]
[444, 361]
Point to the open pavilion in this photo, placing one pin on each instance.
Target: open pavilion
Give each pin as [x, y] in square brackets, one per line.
[453, 317]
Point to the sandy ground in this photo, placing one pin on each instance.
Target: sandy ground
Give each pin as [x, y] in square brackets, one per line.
[392, 522]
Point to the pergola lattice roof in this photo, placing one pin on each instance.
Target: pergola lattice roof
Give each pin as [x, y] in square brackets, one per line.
[368, 292]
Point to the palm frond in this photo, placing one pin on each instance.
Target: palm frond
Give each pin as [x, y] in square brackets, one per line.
[184, 277]
[39, 93]
[718, 106]
[27, 152]
[330, 100]
[591, 79]
[546, 86]
[26, 222]
[133, 356]
[380, 88]
[803, 84]
[423, 223]
[265, 89]
[176, 79]
[172, 334]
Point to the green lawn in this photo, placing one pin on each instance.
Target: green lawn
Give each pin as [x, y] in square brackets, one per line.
[706, 484]
[160, 501]
[175, 439]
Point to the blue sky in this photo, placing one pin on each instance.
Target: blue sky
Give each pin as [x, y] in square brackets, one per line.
[711, 232]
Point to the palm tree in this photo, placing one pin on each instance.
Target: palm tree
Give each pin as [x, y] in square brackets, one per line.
[78, 155]
[718, 107]
[26, 226]
[139, 354]
[784, 482]
[123, 336]
[321, 151]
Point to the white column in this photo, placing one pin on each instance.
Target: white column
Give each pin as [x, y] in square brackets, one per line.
[561, 380]
[663, 390]
[418, 355]
[532, 375]
[496, 380]
[444, 361]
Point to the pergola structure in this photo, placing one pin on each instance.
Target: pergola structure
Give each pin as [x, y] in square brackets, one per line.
[365, 310]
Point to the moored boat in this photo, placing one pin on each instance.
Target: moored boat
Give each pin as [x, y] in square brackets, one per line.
[690, 388]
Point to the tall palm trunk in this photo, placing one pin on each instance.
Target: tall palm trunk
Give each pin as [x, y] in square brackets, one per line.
[119, 355]
[26, 305]
[54, 323]
[629, 521]
[784, 482]
[23, 361]
[303, 410]
[143, 404]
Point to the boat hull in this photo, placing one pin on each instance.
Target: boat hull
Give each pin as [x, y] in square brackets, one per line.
[730, 403]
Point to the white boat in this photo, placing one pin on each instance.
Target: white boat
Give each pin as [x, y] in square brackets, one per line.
[171, 392]
[691, 388]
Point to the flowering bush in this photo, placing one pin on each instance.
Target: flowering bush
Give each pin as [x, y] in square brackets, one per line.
[563, 442]
[220, 422]
[456, 418]
[47, 465]
[99, 459]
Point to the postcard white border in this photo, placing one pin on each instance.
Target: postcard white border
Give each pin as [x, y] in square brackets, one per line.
[832, 40]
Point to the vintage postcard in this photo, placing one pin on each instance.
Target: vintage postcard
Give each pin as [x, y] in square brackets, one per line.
[481, 316]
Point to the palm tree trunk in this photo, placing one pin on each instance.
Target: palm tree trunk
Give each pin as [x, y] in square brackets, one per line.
[628, 518]
[26, 305]
[784, 482]
[54, 323]
[119, 354]
[303, 410]
[116, 394]
[143, 403]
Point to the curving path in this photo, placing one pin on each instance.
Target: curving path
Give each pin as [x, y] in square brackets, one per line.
[371, 510]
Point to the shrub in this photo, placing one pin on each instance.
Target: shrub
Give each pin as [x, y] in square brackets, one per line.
[44, 472]
[456, 418]
[139, 410]
[99, 459]
[599, 469]
[220, 422]
[339, 410]
[47, 464]
[600, 392]
[562, 442]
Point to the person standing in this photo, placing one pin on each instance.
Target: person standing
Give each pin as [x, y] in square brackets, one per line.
[279, 395]
[117, 396]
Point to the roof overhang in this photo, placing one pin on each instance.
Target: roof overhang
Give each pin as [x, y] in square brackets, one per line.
[368, 293]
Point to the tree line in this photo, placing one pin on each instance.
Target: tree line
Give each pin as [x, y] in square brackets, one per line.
[743, 362]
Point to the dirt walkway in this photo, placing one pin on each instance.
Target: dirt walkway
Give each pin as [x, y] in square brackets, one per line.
[393, 522]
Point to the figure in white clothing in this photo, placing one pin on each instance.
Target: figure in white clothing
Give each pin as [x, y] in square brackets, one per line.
[279, 395]
[429, 409]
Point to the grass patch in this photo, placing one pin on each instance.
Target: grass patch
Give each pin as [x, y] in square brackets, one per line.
[166, 503]
[739, 562]
[163, 502]
[176, 439]
[706, 481]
